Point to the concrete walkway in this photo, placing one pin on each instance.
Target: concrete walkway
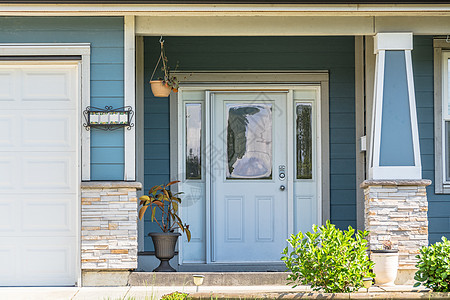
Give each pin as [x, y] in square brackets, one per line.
[206, 292]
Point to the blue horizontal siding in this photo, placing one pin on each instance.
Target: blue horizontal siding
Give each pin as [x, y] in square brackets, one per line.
[262, 53]
[101, 102]
[105, 35]
[438, 205]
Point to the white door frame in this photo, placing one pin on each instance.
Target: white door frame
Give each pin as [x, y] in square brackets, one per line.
[235, 81]
[22, 53]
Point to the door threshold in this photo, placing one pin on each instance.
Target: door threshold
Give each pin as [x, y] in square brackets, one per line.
[233, 267]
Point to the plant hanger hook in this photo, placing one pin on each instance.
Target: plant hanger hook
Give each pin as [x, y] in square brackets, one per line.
[161, 41]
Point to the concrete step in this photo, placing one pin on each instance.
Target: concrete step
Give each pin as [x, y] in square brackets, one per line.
[211, 278]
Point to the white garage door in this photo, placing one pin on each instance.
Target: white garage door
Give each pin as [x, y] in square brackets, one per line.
[38, 173]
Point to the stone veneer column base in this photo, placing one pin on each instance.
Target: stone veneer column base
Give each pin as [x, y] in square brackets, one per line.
[108, 229]
[396, 210]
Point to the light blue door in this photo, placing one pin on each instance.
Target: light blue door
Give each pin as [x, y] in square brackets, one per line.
[249, 216]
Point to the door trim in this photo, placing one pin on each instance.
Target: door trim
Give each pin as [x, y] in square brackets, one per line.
[239, 81]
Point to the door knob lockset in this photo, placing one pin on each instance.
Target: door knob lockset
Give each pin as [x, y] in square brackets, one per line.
[282, 187]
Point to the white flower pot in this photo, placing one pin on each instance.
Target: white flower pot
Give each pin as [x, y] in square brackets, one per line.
[386, 266]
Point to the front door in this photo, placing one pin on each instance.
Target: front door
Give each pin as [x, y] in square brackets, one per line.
[248, 176]
[250, 169]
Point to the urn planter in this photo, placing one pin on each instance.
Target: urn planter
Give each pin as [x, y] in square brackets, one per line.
[164, 243]
[386, 266]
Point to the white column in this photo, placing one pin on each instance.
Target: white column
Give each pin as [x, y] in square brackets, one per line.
[129, 97]
[394, 147]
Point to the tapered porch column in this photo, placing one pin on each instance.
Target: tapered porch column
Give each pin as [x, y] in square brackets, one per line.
[395, 152]
[395, 195]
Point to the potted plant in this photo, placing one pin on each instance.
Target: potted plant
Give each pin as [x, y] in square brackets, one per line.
[386, 264]
[160, 197]
[163, 86]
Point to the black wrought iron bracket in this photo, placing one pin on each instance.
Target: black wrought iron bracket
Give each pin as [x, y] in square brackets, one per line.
[108, 118]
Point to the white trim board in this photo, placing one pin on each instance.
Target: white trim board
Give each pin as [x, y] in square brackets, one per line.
[441, 54]
[129, 97]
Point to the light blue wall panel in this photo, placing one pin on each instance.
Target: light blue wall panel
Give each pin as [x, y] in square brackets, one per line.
[396, 137]
[438, 205]
[335, 54]
[105, 34]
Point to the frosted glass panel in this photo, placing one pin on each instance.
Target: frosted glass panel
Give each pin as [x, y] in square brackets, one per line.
[193, 140]
[448, 87]
[447, 149]
[249, 141]
[304, 140]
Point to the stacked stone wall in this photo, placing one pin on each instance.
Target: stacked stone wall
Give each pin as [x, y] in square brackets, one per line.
[397, 211]
[109, 225]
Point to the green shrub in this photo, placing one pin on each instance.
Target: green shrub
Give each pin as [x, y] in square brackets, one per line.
[434, 266]
[176, 296]
[329, 259]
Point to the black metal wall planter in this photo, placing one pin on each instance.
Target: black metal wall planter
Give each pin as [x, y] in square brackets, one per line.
[108, 118]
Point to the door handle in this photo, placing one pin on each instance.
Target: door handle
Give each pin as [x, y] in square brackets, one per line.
[282, 187]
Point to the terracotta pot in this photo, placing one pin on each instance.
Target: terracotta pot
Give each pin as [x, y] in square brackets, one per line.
[159, 89]
[386, 266]
[164, 243]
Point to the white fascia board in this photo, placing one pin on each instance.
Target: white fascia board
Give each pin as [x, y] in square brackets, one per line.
[393, 41]
[225, 9]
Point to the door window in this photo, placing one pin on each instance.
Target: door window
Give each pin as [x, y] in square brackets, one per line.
[249, 141]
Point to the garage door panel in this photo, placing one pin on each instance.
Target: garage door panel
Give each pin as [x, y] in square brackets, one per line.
[8, 171]
[48, 258]
[49, 131]
[49, 217]
[8, 264]
[7, 125]
[49, 171]
[9, 222]
[8, 85]
[38, 261]
[47, 85]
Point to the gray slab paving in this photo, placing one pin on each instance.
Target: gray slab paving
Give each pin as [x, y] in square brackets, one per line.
[37, 293]
[102, 293]
[210, 292]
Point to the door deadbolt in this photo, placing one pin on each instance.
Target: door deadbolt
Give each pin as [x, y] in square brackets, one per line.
[281, 172]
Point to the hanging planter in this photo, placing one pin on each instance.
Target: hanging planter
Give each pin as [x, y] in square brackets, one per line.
[159, 88]
[163, 86]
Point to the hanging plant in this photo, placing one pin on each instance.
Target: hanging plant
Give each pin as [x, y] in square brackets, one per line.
[163, 86]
